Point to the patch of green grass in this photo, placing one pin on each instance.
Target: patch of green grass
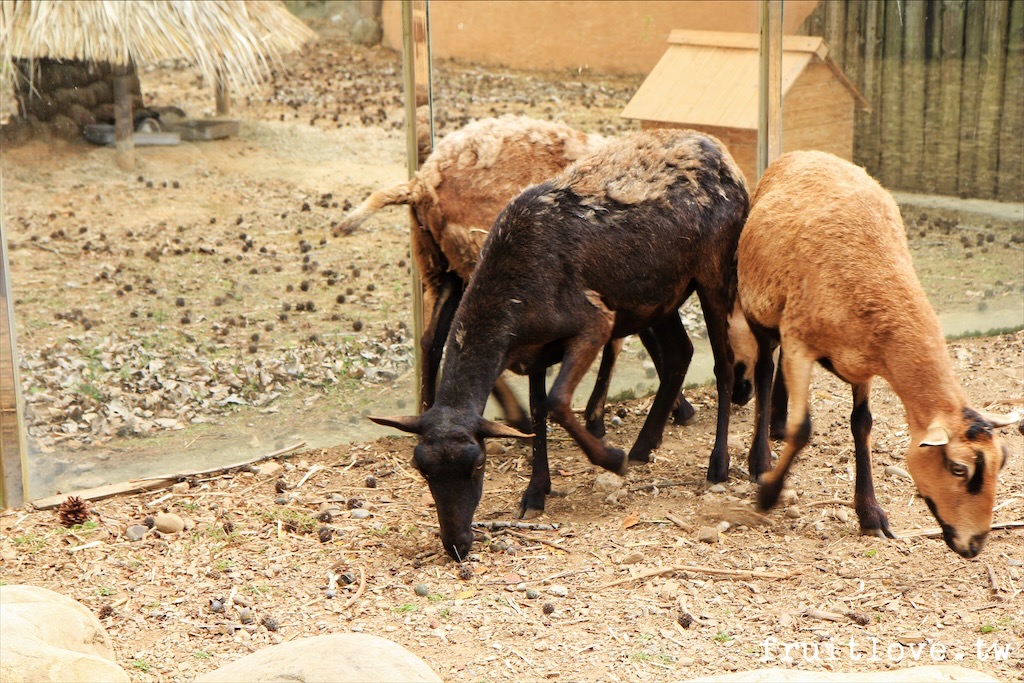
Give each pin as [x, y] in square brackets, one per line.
[190, 506]
[140, 665]
[87, 525]
[624, 395]
[445, 613]
[292, 520]
[104, 591]
[722, 637]
[407, 607]
[870, 553]
[90, 391]
[641, 656]
[224, 565]
[30, 543]
[201, 654]
[991, 332]
[435, 597]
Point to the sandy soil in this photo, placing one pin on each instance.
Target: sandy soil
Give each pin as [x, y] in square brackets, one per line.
[101, 305]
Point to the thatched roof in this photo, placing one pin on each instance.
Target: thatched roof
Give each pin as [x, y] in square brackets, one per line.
[239, 39]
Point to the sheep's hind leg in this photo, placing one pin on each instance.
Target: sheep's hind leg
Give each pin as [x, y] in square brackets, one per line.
[871, 515]
[779, 399]
[716, 309]
[532, 504]
[446, 301]
[599, 396]
[798, 427]
[510, 407]
[682, 411]
[676, 352]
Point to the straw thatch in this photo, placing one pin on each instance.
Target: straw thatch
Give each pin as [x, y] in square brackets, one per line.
[236, 41]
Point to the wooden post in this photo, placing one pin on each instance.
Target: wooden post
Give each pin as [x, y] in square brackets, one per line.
[1011, 131]
[974, 31]
[867, 135]
[769, 134]
[416, 73]
[835, 30]
[124, 126]
[952, 66]
[991, 101]
[913, 96]
[12, 445]
[223, 95]
[933, 100]
[890, 156]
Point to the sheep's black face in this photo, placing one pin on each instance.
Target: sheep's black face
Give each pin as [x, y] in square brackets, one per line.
[454, 471]
[451, 457]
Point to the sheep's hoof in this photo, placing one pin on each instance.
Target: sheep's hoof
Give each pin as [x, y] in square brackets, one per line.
[530, 514]
[873, 522]
[683, 413]
[641, 455]
[768, 493]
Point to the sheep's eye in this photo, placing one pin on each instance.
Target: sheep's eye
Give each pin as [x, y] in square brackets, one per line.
[958, 470]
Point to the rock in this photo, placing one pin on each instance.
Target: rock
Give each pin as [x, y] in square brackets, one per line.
[723, 526]
[843, 515]
[708, 534]
[793, 512]
[787, 497]
[894, 471]
[360, 513]
[271, 468]
[946, 673]
[45, 636]
[135, 532]
[558, 591]
[532, 594]
[495, 448]
[180, 487]
[421, 590]
[606, 482]
[334, 658]
[616, 421]
[168, 523]
[717, 488]
[632, 558]
[366, 31]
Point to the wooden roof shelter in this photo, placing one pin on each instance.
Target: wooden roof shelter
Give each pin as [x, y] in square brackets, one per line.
[708, 81]
[233, 43]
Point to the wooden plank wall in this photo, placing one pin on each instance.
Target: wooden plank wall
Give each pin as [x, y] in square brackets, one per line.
[945, 79]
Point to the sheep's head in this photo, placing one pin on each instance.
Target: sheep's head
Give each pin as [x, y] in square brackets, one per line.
[451, 457]
[744, 352]
[955, 466]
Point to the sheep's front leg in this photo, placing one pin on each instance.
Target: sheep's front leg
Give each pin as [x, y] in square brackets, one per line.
[510, 407]
[759, 459]
[871, 515]
[532, 504]
[676, 352]
[446, 301]
[580, 352]
[780, 397]
[798, 426]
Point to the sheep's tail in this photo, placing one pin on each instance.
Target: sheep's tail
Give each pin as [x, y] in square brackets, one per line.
[392, 196]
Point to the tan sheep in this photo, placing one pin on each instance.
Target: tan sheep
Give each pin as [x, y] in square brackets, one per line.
[824, 267]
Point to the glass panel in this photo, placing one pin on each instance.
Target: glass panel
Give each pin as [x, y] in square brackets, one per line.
[200, 310]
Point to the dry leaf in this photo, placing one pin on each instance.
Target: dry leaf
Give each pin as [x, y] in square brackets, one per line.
[632, 519]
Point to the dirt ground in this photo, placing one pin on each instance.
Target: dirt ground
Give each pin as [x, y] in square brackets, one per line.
[201, 303]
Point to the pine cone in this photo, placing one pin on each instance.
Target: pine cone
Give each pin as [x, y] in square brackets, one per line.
[73, 511]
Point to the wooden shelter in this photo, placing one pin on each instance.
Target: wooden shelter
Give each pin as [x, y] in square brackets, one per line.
[708, 81]
[233, 44]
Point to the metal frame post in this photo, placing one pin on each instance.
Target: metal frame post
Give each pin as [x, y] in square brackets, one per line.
[13, 467]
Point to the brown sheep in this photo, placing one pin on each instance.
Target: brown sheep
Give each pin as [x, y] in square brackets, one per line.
[824, 267]
[456, 196]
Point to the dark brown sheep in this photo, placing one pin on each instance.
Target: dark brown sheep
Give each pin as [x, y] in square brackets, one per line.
[611, 246]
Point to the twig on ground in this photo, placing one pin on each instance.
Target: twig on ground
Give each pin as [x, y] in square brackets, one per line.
[312, 470]
[530, 526]
[697, 569]
[830, 501]
[663, 485]
[517, 534]
[822, 614]
[678, 522]
[935, 532]
[992, 579]
[359, 591]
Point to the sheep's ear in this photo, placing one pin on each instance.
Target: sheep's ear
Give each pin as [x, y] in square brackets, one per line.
[1001, 420]
[936, 436]
[408, 423]
[488, 429]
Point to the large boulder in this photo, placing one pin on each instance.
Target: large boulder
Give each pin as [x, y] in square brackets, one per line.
[45, 636]
[335, 658]
[940, 673]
